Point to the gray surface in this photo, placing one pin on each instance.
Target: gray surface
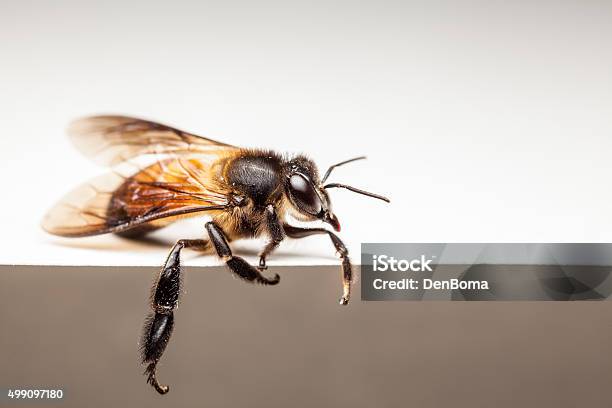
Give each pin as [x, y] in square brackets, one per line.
[292, 345]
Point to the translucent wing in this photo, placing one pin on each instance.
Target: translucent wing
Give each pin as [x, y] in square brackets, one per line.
[110, 140]
[113, 203]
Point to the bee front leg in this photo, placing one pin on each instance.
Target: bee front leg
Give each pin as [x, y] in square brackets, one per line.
[277, 234]
[347, 272]
[237, 265]
[158, 326]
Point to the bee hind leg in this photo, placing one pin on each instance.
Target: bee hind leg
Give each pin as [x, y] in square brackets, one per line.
[159, 324]
[347, 272]
[237, 265]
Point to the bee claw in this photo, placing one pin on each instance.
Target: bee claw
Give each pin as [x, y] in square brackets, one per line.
[262, 265]
[152, 379]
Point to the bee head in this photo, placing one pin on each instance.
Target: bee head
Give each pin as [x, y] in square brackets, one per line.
[306, 194]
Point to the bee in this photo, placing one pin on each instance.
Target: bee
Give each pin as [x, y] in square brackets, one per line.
[247, 193]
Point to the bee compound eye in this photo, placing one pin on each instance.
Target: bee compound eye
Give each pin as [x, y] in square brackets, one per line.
[304, 194]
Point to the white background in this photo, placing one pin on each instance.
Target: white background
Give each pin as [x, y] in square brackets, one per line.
[483, 121]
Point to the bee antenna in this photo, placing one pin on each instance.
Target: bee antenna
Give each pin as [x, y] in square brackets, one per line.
[333, 166]
[356, 190]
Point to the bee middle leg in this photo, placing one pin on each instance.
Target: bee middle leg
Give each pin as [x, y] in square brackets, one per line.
[237, 265]
[276, 232]
[347, 272]
[158, 326]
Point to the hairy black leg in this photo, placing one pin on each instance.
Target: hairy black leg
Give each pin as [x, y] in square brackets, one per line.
[347, 272]
[236, 264]
[159, 324]
[277, 234]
